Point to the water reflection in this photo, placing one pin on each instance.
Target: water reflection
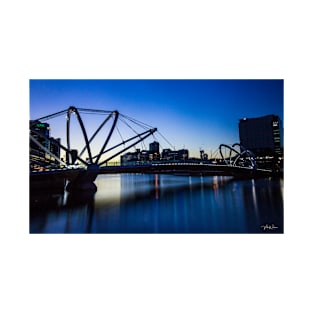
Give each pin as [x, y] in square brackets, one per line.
[61, 213]
[135, 203]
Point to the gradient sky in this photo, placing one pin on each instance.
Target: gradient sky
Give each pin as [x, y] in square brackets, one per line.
[189, 113]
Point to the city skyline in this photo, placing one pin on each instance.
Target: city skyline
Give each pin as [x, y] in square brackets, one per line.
[192, 114]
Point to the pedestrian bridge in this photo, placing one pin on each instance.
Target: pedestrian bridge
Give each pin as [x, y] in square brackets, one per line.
[82, 179]
[188, 168]
[237, 163]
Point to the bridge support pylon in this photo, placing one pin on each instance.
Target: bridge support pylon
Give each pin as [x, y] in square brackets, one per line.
[84, 181]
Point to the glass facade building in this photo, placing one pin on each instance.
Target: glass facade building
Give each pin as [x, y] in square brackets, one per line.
[262, 135]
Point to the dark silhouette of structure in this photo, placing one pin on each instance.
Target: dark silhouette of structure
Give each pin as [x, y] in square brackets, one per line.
[262, 135]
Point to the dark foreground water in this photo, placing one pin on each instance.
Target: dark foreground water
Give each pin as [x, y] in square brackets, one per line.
[135, 203]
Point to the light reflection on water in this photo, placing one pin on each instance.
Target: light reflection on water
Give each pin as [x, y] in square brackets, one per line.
[136, 203]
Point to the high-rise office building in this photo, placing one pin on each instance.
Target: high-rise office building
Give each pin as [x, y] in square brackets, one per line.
[42, 128]
[154, 147]
[154, 150]
[262, 135]
[39, 151]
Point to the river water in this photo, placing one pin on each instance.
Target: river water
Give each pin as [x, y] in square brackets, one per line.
[142, 203]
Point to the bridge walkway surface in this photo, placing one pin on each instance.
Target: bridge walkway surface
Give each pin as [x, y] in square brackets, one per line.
[51, 179]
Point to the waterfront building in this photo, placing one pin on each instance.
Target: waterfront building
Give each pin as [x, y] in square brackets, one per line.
[154, 151]
[43, 128]
[203, 155]
[169, 154]
[38, 156]
[183, 154]
[153, 154]
[179, 155]
[131, 158]
[262, 135]
[154, 147]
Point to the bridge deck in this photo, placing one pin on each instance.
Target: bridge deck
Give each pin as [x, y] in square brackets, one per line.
[51, 178]
[188, 169]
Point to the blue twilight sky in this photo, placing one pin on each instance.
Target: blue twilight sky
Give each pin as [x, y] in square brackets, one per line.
[189, 113]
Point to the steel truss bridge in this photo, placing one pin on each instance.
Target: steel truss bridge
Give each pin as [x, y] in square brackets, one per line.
[238, 163]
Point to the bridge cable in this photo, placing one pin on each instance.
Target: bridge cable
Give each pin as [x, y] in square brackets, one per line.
[143, 125]
[166, 140]
[150, 131]
[143, 147]
[129, 126]
[94, 111]
[47, 117]
[146, 133]
[120, 135]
